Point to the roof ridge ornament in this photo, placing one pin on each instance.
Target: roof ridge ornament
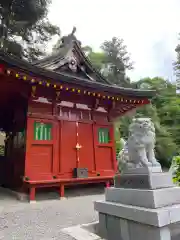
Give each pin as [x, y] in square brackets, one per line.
[70, 38]
[73, 31]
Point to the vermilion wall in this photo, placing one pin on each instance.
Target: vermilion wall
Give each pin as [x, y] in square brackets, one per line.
[59, 156]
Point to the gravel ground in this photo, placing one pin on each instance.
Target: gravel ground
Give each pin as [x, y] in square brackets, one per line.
[45, 219]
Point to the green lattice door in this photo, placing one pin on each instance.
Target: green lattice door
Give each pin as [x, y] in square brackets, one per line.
[103, 135]
[42, 131]
[104, 149]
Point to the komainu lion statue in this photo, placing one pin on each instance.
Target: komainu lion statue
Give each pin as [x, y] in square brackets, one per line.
[138, 151]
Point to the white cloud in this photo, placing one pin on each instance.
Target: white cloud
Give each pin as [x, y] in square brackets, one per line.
[148, 27]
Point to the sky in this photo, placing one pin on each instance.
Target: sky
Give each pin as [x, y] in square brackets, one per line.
[149, 28]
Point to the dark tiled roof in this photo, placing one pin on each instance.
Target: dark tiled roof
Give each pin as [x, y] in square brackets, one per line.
[70, 43]
[55, 57]
[54, 61]
[67, 78]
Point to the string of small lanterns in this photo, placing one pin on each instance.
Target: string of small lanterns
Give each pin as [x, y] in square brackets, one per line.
[74, 90]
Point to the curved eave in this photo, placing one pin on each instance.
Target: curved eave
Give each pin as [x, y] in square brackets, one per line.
[34, 71]
[87, 61]
[61, 53]
[53, 59]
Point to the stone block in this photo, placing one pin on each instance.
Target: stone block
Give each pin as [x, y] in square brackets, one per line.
[144, 198]
[102, 226]
[124, 229]
[113, 228]
[154, 217]
[161, 180]
[147, 232]
[174, 212]
[143, 170]
[144, 181]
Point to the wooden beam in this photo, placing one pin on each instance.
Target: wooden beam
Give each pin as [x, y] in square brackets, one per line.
[33, 92]
[58, 96]
[95, 104]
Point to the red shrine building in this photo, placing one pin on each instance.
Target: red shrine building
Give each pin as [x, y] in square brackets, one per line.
[58, 117]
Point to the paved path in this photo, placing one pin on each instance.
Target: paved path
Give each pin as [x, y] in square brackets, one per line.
[45, 219]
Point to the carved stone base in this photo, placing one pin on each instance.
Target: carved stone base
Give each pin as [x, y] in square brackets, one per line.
[152, 199]
[118, 221]
[143, 170]
[131, 214]
[143, 181]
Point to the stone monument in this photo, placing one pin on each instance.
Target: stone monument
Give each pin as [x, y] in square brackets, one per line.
[144, 202]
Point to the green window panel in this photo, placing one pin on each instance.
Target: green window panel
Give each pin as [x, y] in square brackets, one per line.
[42, 131]
[103, 135]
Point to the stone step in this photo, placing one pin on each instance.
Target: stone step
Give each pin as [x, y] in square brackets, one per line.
[144, 198]
[155, 217]
[144, 181]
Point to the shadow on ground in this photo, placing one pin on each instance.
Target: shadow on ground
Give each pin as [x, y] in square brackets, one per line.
[70, 192]
[7, 197]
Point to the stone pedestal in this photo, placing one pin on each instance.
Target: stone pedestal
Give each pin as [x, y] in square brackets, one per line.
[139, 207]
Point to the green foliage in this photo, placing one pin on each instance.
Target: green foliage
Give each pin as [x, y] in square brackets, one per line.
[113, 61]
[118, 141]
[97, 59]
[24, 27]
[165, 113]
[164, 110]
[177, 63]
[116, 52]
[176, 166]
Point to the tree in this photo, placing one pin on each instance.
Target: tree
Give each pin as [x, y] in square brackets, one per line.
[167, 104]
[177, 63]
[117, 61]
[57, 46]
[112, 61]
[98, 59]
[37, 38]
[25, 21]
[165, 113]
